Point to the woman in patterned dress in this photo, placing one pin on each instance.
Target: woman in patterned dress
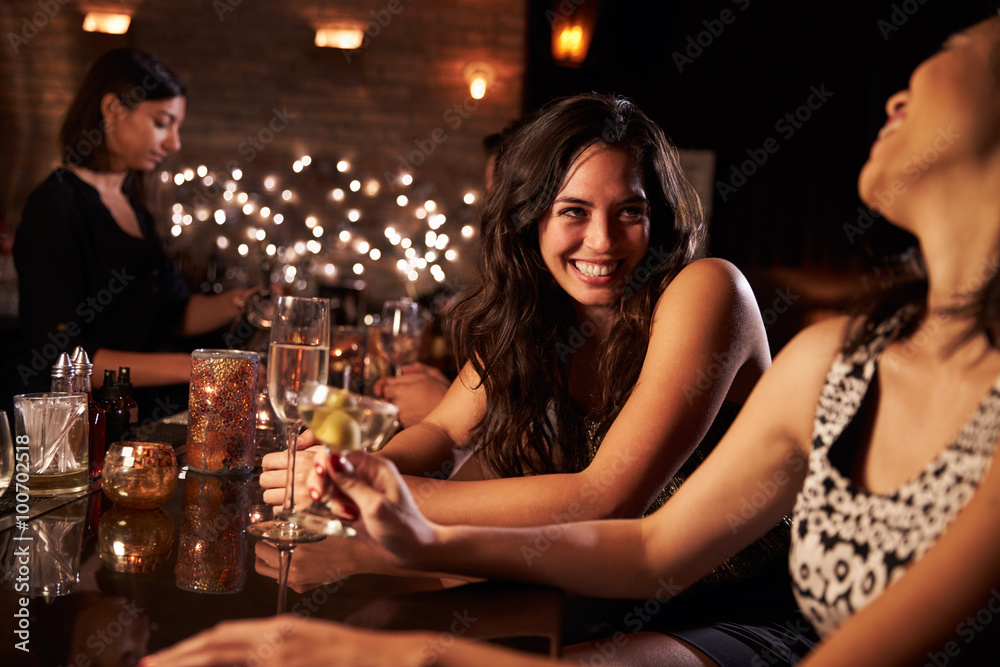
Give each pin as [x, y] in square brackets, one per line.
[877, 432]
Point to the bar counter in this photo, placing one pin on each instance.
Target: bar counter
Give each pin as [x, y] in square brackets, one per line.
[86, 580]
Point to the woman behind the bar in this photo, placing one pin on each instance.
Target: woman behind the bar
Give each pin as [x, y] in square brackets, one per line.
[879, 431]
[604, 361]
[91, 268]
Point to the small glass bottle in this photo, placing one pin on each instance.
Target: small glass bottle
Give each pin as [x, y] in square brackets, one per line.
[117, 417]
[62, 374]
[125, 389]
[82, 371]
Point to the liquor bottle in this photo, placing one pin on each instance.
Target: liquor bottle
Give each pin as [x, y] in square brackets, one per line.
[62, 374]
[82, 371]
[115, 412]
[125, 389]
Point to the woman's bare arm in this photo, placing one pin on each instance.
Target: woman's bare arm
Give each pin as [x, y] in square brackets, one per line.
[704, 330]
[741, 491]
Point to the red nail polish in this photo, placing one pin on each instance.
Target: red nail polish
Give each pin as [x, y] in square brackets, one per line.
[314, 494]
[352, 512]
[319, 468]
[337, 462]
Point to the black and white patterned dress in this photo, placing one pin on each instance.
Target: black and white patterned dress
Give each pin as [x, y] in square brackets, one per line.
[848, 544]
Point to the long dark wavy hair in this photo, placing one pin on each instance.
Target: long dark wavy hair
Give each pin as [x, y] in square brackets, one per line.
[517, 327]
[134, 77]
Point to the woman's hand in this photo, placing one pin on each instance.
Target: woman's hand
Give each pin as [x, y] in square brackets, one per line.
[287, 641]
[205, 313]
[275, 468]
[390, 520]
[317, 563]
[416, 392]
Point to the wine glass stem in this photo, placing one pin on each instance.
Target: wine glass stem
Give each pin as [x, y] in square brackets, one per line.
[284, 566]
[291, 434]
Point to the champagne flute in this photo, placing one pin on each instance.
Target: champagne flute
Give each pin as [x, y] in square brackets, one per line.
[401, 332]
[342, 421]
[299, 352]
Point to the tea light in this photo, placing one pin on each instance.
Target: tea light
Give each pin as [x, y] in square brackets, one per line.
[140, 475]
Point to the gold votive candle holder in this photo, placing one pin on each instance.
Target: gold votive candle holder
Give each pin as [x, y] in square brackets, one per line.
[222, 411]
[139, 475]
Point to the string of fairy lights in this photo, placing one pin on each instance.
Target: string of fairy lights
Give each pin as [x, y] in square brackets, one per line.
[329, 240]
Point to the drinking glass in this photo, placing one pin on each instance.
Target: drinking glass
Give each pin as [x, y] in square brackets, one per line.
[402, 329]
[299, 352]
[376, 421]
[54, 427]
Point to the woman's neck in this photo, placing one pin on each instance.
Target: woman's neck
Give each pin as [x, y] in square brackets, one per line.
[955, 215]
[595, 322]
[105, 182]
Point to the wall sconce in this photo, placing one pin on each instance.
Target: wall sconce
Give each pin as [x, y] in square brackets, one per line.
[572, 31]
[341, 36]
[480, 77]
[113, 24]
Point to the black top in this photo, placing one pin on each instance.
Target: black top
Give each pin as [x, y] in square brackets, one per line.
[85, 281]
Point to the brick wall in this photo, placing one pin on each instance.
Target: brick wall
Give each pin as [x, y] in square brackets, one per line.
[400, 101]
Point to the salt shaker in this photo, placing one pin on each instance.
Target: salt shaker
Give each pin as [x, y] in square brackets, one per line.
[62, 374]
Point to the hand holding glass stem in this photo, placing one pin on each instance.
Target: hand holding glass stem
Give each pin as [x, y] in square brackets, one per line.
[342, 422]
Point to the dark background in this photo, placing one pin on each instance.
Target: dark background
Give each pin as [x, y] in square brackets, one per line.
[784, 226]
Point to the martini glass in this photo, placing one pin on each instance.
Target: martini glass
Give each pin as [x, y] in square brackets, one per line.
[375, 422]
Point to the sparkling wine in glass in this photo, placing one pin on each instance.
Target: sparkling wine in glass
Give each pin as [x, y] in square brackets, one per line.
[402, 330]
[298, 353]
[342, 421]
